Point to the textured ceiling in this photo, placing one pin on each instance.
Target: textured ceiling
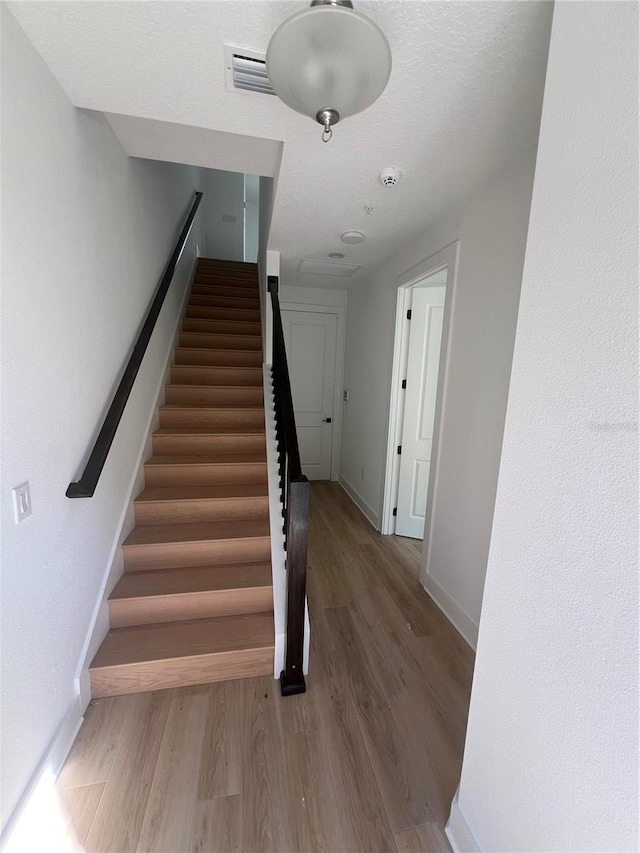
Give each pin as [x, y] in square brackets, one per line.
[463, 100]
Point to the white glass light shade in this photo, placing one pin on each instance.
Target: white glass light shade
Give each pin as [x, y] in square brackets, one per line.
[328, 57]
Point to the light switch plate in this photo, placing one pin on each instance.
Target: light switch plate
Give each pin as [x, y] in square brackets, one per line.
[346, 394]
[21, 502]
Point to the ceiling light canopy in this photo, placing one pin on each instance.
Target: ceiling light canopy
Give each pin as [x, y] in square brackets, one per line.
[328, 62]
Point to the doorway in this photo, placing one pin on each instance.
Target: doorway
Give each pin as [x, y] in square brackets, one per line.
[314, 339]
[423, 310]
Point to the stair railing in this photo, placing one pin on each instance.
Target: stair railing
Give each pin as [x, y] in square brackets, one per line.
[86, 485]
[294, 489]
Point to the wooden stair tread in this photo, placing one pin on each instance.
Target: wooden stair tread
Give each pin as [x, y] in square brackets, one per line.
[209, 459]
[213, 278]
[221, 350]
[174, 407]
[225, 262]
[217, 430]
[170, 640]
[225, 491]
[226, 291]
[234, 368]
[249, 303]
[181, 581]
[222, 327]
[196, 396]
[211, 312]
[252, 342]
[202, 531]
[208, 387]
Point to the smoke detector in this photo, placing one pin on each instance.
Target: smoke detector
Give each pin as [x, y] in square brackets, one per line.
[390, 177]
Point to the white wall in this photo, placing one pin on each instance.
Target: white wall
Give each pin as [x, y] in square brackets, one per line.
[312, 295]
[252, 218]
[551, 759]
[224, 196]
[491, 229]
[86, 233]
[268, 261]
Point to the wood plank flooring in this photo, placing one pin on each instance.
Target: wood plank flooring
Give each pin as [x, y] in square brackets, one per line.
[367, 760]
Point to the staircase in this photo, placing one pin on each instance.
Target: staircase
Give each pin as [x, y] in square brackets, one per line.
[195, 602]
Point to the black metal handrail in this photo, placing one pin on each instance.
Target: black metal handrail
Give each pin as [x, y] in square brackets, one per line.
[294, 488]
[86, 485]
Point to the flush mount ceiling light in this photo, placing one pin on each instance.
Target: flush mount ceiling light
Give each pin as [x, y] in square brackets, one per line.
[352, 237]
[336, 255]
[328, 62]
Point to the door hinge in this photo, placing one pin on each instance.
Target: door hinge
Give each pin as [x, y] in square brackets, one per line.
[409, 314]
[399, 449]
[404, 384]
[395, 510]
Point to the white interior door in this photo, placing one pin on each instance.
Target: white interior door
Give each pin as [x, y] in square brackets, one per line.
[425, 336]
[311, 339]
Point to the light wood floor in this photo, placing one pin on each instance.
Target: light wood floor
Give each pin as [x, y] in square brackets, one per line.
[367, 760]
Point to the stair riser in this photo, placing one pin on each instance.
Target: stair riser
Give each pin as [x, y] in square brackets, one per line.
[246, 282]
[234, 267]
[225, 264]
[198, 417]
[205, 475]
[228, 273]
[226, 342]
[174, 555]
[235, 291]
[187, 511]
[180, 672]
[183, 395]
[205, 312]
[224, 302]
[228, 262]
[201, 375]
[196, 445]
[221, 327]
[126, 612]
[218, 358]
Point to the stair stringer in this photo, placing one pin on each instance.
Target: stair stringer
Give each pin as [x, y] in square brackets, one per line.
[277, 536]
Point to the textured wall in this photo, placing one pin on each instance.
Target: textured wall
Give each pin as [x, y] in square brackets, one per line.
[86, 233]
[491, 228]
[551, 759]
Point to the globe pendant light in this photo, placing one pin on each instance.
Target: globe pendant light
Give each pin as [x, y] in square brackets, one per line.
[328, 62]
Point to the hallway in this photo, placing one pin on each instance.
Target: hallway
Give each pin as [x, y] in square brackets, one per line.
[368, 759]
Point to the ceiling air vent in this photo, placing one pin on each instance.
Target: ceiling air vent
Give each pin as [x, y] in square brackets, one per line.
[246, 70]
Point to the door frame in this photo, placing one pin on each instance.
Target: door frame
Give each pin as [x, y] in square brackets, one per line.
[341, 312]
[405, 283]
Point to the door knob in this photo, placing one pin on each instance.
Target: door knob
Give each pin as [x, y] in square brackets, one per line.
[326, 420]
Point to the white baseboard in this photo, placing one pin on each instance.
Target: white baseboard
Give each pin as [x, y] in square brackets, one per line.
[457, 830]
[460, 620]
[99, 625]
[25, 830]
[369, 513]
